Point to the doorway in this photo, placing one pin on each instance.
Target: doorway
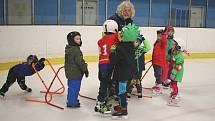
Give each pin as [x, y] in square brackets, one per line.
[197, 16]
[90, 16]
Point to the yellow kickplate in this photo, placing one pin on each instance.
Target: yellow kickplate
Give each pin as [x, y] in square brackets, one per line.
[7, 65]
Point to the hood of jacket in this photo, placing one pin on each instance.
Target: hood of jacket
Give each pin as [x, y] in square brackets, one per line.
[69, 49]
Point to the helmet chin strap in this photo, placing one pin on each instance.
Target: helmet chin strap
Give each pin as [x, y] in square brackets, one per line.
[116, 30]
[106, 28]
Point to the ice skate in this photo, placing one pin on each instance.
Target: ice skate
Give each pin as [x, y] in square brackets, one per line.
[128, 95]
[78, 105]
[2, 95]
[117, 108]
[178, 98]
[173, 102]
[166, 84]
[121, 113]
[102, 108]
[139, 95]
[28, 89]
[157, 90]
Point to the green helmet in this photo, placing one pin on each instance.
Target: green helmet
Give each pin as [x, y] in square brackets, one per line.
[130, 33]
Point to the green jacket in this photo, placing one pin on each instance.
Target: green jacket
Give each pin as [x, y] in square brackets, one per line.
[140, 55]
[178, 60]
[143, 48]
[146, 46]
[75, 65]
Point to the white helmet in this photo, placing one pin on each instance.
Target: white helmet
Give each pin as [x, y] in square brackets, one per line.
[182, 43]
[110, 26]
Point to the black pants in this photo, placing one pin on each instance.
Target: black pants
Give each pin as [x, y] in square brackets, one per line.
[114, 86]
[105, 85]
[158, 73]
[11, 78]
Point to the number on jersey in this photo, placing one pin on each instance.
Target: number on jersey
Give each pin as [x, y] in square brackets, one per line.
[103, 50]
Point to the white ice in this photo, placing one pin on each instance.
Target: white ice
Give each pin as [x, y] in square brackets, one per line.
[196, 91]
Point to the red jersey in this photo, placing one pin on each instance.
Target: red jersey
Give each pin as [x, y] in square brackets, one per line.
[105, 44]
[159, 52]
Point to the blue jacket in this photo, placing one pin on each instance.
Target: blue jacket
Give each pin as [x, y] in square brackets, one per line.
[24, 69]
[120, 21]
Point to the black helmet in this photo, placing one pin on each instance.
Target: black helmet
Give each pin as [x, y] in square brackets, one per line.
[160, 31]
[70, 38]
[32, 59]
[140, 38]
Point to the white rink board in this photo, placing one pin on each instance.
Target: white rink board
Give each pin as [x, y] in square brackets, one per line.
[17, 42]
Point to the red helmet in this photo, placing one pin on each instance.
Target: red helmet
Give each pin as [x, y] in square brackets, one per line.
[167, 28]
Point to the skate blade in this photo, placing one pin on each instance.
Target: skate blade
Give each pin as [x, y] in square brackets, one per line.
[128, 99]
[157, 94]
[107, 113]
[178, 99]
[166, 88]
[119, 117]
[103, 115]
[173, 105]
[2, 98]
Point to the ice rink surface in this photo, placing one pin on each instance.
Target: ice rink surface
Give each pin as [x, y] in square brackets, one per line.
[196, 91]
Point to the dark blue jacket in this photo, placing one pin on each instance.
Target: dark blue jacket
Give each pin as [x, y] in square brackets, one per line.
[120, 21]
[24, 69]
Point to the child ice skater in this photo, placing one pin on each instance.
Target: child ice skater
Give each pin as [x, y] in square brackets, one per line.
[177, 71]
[142, 46]
[75, 68]
[159, 60]
[166, 69]
[106, 44]
[20, 71]
[124, 66]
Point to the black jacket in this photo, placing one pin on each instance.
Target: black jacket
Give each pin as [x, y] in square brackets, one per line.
[120, 21]
[124, 63]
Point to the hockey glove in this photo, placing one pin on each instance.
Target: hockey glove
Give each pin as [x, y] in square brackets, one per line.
[86, 73]
[42, 60]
